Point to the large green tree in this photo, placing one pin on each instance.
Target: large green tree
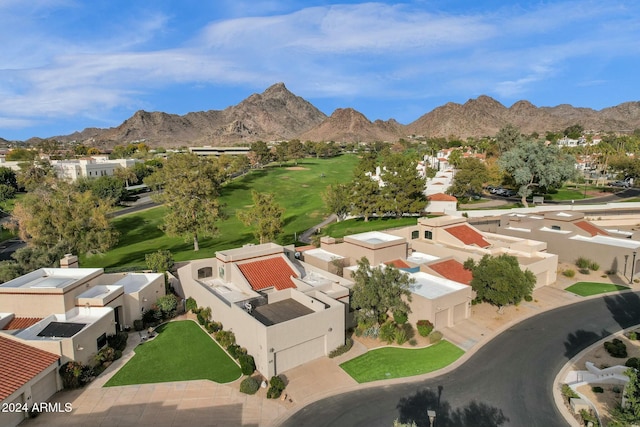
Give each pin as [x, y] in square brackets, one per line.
[508, 137]
[534, 164]
[265, 216]
[336, 199]
[403, 190]
[499, 280]
[189, 187]
[629, 414]
[379, 291]
[470, 176]
[365, 195]
[260, 154]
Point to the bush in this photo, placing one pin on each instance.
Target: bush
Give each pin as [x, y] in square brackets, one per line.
[106, 354]
[225, 338]
[569, 273]
[528, 298]
[247, 364]
[583, 263]
[151, 317]
[597, 389]
[616, 348]
[201, 319]
[424, 327]
[413, 342]
[342, 349]
[400, 317]
[138, 324]
[435, 336]
[249, 385]
[568, 392]
[168, 306]
[633, 362]
[594, 266]
[633, 335]
[584, 271]
[388, 332]
[401, 336]
[118, 341]
[72, 375]
[235, 351]
[191, 305]
[276, 387]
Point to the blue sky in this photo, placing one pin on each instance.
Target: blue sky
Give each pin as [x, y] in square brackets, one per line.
[66, 65]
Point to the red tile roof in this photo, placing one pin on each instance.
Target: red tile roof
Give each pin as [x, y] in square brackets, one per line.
[21, 323]
[467, 235]
[441, 197]
[452, 270]
[19, 364]
[266, 273]
[398, 263]
[591, 229]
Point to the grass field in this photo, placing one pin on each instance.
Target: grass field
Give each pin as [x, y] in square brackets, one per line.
[586, 289]
[358, 225]
[390, 362]
[297, 189]
[181, 352]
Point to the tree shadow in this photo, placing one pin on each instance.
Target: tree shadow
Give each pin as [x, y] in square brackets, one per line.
[581, 339]
[475, 414]
[624, 308]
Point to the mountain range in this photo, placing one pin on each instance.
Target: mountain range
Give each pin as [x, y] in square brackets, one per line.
[278, 114]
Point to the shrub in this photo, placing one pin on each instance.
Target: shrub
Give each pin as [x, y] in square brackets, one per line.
[633, 335]
[342, 349]
[401, 336]
[234, 350]
[569, 272]
[528, 298]
[71, 374]
[435, 336]
[424, 327]
[568, 392]
[191, 305]
[584, 271]
[138, 324]
[249, 385]
[633, 362]
[118, 341]
[413, 342]
[594, 266]
[247, 364]
[400, 317]
[168, 306]
[597, 389]
[200, 319]
[151, 317]
[388, 332]
[616, 348]
[582, 263]
[106, 354]
[225, 338]
[276, 387]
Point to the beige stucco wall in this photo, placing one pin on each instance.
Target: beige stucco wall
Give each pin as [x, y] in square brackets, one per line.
[426, 309]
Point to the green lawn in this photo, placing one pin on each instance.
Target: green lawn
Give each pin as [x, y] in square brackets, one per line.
[358, 225]
[181, 352]
[390, 362]
[586, 289]
[298, 191]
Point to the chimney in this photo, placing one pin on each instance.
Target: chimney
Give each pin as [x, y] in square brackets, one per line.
[69, 261]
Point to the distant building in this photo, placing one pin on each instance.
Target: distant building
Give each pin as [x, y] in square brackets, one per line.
[218, 151]
[89, 167]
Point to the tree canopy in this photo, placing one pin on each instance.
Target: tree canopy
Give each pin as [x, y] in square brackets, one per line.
[534, 164]
[403, 190]
[378, 291]
[499, 280]
[265, 216]
[629, 414]
[189, 188]
[470, 176]
[336, 199]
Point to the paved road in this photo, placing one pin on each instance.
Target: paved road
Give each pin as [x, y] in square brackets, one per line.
[511, 376]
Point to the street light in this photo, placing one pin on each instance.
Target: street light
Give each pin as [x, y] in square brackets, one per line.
[633, 267]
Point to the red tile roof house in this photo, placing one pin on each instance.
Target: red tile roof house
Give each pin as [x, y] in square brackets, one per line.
[27, 376]
[441, 203]
[283, 311]
[570, 235]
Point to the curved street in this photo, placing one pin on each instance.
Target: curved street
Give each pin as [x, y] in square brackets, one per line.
[510, 378]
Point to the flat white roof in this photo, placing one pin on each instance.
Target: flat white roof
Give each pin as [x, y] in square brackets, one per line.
[99, 291]
[313, 278]
[49, 278]
[374, 237]
[610, 241]
[133, 282]
[519, 229]
[432, 287]
[421, 258]
[323, 254]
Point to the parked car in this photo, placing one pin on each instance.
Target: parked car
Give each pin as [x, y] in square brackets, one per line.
[624, 184]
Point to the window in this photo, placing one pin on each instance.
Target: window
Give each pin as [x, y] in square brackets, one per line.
[102, 341]
[205, 272]
[555, 227]
[428, 234]
[415, 234]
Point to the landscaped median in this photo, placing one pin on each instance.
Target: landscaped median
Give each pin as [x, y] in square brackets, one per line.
[392, 362]
[586, 289]
[181, 351]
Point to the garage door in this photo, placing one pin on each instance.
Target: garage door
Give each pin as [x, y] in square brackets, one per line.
[45, 388]
[13, 418]
[299, 354]
[442, 319]
[459, 312]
